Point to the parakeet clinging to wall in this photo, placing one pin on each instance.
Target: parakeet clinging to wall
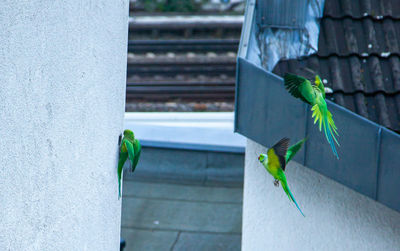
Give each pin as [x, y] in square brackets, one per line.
[130, 147]
[314, 95]
[275, 162]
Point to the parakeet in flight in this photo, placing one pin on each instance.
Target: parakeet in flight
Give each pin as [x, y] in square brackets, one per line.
[275, 162]
[130, 147]
[314, 95]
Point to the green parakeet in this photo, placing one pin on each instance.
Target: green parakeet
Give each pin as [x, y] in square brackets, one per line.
[275, 162]
[314, 95]
[130, 147]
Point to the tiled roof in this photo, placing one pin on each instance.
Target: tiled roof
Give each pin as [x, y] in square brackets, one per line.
[359, 58]
[357, 9]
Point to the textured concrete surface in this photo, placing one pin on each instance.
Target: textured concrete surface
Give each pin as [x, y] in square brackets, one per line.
[163, 216]
[337, 218]
[62, 95]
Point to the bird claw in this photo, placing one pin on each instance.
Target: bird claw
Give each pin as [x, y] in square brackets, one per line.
[276, 183]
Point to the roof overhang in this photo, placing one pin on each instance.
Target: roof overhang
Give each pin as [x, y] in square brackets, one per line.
[265, 112]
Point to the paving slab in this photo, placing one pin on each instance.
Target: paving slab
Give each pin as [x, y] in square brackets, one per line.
[165, 216]
[168, 214]
[171, 164]
[204, 241]
[226, 167]
[148, 240]
[182, 192]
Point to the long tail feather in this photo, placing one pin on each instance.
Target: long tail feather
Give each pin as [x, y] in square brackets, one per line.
[332, 126]
[325, 120]
[290, 195]
[122, 158]
[119, 182]
[331, 138]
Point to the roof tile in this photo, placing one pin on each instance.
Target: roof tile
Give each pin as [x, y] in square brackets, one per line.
[357, 9]
[363, 37]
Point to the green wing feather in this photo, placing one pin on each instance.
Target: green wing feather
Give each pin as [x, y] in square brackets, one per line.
[300, 88]
[122, 158]
[291, 152]
[285, 187]
[138, 148]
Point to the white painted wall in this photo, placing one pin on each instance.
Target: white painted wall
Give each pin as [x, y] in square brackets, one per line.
[62, 95]
[337, 218]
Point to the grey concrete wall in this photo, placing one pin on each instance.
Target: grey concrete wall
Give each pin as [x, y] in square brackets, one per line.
[337, 218]
[62, 85]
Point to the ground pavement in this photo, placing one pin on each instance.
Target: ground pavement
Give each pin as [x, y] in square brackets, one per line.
[166, 216]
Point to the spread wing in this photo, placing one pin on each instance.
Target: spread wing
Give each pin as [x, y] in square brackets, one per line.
[291, 152]
[300, 88]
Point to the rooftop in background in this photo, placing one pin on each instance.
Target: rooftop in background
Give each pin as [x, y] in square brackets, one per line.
[358, 58]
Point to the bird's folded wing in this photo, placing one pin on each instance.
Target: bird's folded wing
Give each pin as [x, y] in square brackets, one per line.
[138, 150]
[131, 151]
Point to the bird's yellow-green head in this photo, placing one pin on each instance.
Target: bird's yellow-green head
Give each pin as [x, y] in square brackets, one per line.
[317, 80]
[129, 134]
[262, 158]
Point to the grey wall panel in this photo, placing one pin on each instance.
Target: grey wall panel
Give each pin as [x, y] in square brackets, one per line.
[357, 166]
[389, 170]
[266, 112]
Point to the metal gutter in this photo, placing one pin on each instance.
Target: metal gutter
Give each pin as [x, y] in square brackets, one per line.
[265, 112]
